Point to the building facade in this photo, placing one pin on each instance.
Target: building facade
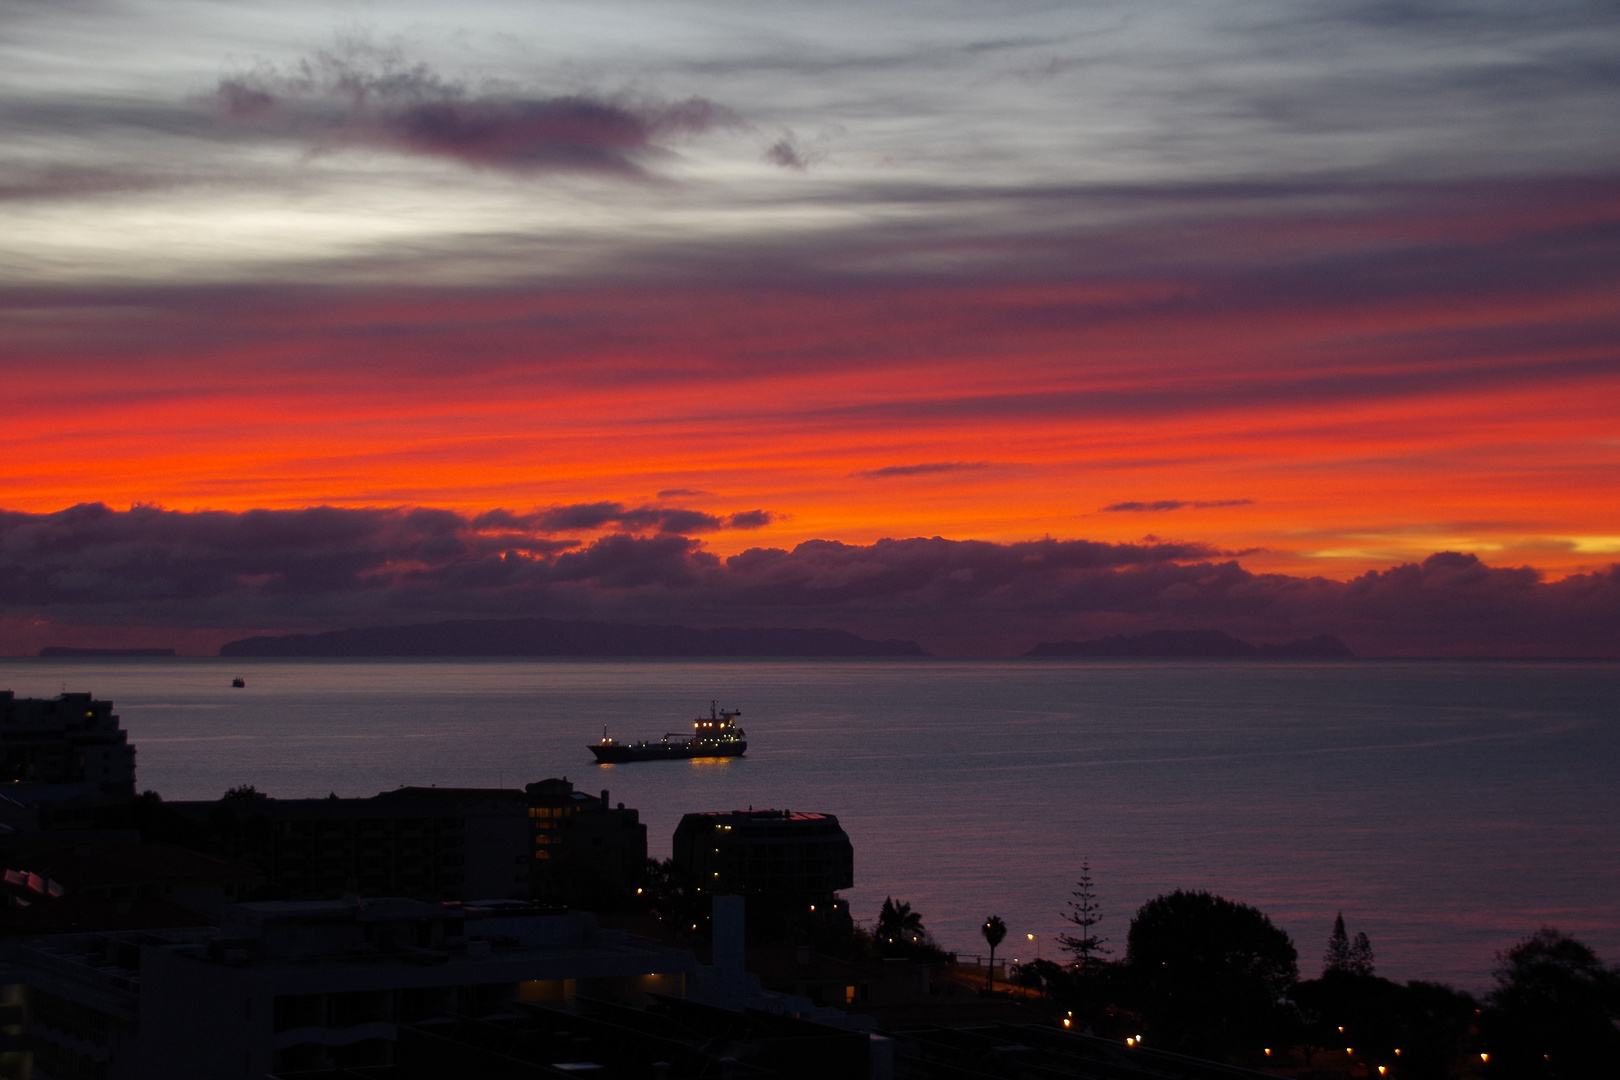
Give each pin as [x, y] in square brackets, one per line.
[300, 986]
[774, 858]
[588, 853]
[67, 739]
[546, 842]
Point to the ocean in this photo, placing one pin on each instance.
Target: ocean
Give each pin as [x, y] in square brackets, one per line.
[1446, 808]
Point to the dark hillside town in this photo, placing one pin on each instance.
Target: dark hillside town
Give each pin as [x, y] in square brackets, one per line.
[430, 932]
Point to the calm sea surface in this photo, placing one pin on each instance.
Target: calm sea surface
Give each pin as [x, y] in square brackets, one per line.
[1446, 808]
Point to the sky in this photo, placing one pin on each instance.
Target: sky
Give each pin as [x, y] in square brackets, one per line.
[974, 324]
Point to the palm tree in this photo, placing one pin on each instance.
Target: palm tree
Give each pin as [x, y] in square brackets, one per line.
[994, 931]
[898, 925]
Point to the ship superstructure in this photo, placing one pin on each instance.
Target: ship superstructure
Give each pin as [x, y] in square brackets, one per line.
[716, 735]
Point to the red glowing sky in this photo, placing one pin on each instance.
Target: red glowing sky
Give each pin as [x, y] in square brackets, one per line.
[1333, 435]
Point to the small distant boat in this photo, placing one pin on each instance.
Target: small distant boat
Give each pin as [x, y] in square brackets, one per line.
[239, 682]
[716, 736]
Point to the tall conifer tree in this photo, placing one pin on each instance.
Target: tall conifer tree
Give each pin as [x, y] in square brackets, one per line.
[1347, 955]
[1337, 957]
[1087, 948]
[1360, 961]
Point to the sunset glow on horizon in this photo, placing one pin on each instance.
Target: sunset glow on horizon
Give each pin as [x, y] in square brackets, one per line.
[1126, 435]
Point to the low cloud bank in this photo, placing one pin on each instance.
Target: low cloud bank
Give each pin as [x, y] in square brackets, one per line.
[328, 567]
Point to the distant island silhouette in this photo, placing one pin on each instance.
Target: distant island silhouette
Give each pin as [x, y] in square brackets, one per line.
[69, 651]
[551, 637]
[1193, 643]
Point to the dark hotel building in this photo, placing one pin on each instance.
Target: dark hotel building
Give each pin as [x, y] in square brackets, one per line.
[546, 842]
[67, 739]
[775, 858]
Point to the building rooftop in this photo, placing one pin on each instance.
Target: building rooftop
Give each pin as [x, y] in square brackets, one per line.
[154, 863]
[762, 815]
[512, 940]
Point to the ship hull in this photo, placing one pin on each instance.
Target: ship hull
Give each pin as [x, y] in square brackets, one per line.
[615, 754]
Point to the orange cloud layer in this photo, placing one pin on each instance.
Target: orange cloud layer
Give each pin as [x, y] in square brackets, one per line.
[1343, 390]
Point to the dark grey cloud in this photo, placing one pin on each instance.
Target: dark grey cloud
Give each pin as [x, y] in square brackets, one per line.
[783, 152]
[361, 96]
[923, 469]
[69, 182]
[602, 515]
[1161, 505]
[790, 152]
[325, 568]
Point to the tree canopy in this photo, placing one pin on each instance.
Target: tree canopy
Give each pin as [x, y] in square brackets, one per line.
[1209, 972]
[994, 931]
[898, 924]
[1553, 1011]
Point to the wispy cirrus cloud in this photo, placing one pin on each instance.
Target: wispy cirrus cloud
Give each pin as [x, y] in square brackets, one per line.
[926, 468]
[1162, 505]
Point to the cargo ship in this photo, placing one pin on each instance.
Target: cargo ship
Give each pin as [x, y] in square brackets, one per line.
[715, 736]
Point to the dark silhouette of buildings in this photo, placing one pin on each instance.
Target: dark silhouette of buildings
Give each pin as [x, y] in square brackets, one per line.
[291, 987]
[777, 859]
[428, 844]
[671, 1037]
[178, 886]
[588, 853]
[67, 739]
[546, 842]
[39, 821]
[67, 778]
